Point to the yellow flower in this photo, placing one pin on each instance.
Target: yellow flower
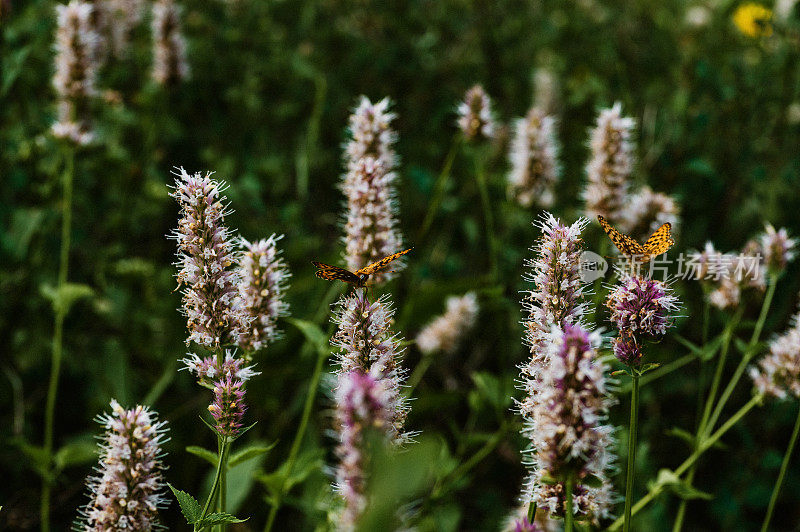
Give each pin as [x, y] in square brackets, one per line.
[753, 20]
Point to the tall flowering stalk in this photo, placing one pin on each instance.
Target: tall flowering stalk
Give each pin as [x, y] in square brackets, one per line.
[367, 393]
[778, 375]
[554, 303]
[371, 226]
[206, 261]
[475, 118]
[264, 280]
[128, 490]
[75, 71]
[169, 47]
[534, 159]
[610, 166]
[641, 308]
[74, 84]
[567, 430]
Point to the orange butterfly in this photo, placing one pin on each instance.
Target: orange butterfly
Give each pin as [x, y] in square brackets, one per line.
[359, 277]
[659, 242]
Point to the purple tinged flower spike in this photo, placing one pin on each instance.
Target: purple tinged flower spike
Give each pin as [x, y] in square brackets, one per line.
[362, 403]
[264, 281]
[641, 305]
[367, 393]
[567, 427]
[610, 165]
[206, 261]
[228, 407]
[445, 332]
[371, 227]
[128, 490]
[367, 344]
[169, 47]
[555, 272]
[75, 71]
[123, 17]
[534, 159]
[475, 119]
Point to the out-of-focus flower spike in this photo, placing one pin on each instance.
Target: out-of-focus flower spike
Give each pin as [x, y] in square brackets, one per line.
[169, 47]
[610, 166]
[534, 159]
[646, 211]
[445, 332]
[475, 118]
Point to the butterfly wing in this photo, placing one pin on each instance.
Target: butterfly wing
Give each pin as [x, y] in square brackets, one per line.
[660, 241]
[624, 243]
[334, 273]
[375, 267]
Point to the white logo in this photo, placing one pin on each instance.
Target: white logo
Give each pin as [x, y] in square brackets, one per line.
[593, 266]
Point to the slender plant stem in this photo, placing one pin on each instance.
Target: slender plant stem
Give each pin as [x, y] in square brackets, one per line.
[661, 371]
[631, 451]
[704, 446]
[223, 457]
[746, 357]
[703, 423]
[58, 333]
[417, 374]
[222, 471]
[298, 438]
[569, 516]
[438, 189]
[474, 460]
[784, 466]
[480, 176]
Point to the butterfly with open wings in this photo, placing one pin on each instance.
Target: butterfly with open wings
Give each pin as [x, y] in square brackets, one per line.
[359, 277]
[659, 242]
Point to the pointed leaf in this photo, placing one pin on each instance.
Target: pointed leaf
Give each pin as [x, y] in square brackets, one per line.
[218, 519]
[250, 452]
[313, 334]
[189, 506]
[209, 456]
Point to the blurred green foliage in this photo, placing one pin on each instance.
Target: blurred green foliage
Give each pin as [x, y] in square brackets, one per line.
[272, 85]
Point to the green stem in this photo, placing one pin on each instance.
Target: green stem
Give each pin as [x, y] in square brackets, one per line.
[778, 483]
[480, 176]
[438, 189]
[569, 516]
[298, 438]
[746, 357]
[474, 460]
[712, 395]
[222, 468]
[702, 448]
[419, 371]
[223, 457]
[631, 451]
[58, 333]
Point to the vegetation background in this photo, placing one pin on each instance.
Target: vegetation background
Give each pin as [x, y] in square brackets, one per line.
[272, 85]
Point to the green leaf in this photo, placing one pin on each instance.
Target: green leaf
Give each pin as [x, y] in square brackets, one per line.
[189, 506]
[667, 479]
[218, 519]
[682, 434]
[492, 389]
[313, 334]
[63, 298]
[209, 425]
[243, 431]
[648, 368]
[78, 452]
[250, 452]
[209, 456]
